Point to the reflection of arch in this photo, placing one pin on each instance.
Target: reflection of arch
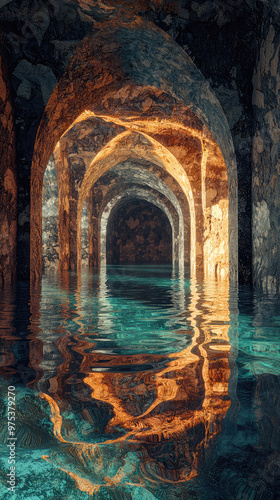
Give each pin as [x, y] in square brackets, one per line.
[196, 378]
[138, 193]
[122, 79]
[120, 149]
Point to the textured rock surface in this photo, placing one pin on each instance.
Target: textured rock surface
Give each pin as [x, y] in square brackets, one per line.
[84, 237]
[266, 163]
[139, 233]
[8, 186]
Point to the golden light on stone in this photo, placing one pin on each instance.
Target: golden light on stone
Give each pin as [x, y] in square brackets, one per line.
[176, 137]
[198, 168]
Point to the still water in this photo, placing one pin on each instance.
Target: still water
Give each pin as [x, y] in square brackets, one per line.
[140, 384]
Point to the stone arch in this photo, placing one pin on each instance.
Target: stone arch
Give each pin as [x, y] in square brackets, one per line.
[130, 52]
[140, 193]
[141, 174]
[131, 145]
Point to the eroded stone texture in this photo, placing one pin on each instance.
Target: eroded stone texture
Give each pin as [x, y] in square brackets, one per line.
[8, 186]
[266, 154]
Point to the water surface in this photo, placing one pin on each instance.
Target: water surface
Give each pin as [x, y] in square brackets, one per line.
[137, 383]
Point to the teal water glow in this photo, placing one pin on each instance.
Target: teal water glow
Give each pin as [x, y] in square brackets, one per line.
[137, 383]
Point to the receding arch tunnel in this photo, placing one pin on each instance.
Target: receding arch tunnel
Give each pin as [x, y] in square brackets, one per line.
[135, 116]
[138, 232]
[163, 118]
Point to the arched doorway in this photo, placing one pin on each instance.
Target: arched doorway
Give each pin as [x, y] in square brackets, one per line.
[187, 133]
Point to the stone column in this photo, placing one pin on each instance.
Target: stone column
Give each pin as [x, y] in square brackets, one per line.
[8, 186]
[93, 226]
[63, 209]
[77, 169]
[266, 162]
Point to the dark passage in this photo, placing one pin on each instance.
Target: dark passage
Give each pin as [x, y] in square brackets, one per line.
[138, 233]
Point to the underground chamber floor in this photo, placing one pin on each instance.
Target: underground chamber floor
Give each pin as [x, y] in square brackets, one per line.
[137, 383]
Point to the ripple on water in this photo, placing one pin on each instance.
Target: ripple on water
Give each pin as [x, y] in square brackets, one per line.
[140, 382]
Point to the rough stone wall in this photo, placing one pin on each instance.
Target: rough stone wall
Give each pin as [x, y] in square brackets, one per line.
[8, 187]
[139, 233]
[266, 162]
[39, 38]
[84, 227]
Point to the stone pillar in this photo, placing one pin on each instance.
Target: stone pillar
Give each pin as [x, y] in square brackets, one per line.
[50, 245]
[8, 186]
[77, 169]
[84, 233]
[215, 194]
[73, 235]
[93, 226]
[266, 162]
[63, 209]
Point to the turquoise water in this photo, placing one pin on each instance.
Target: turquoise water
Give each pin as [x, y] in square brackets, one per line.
[137, 383]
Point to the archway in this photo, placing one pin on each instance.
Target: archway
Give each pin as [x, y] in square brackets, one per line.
[161, 102]
[135, 224]
[145, 180]
[131, 145]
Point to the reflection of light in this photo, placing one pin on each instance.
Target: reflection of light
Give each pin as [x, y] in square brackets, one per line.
[105, 322]
[178, 289]
[175, 382]
[189, 378]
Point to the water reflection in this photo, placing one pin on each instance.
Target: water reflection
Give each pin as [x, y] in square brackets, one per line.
[132, 376]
